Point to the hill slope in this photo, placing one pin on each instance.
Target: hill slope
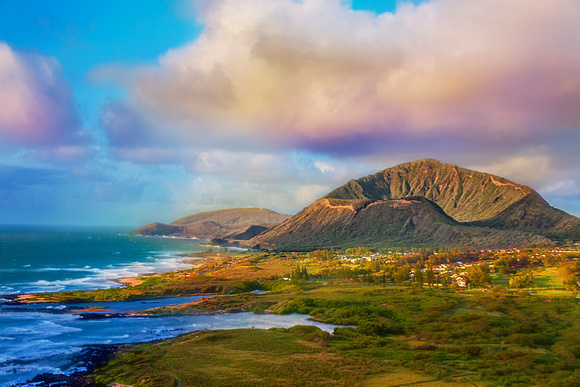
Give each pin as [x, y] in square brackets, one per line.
[237, 223]
[471, 197]
[533, 214]
[425, 202]
[463, 194]
[398, 222]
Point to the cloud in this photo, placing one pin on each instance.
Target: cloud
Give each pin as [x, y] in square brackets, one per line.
[302, 74]
[533, 167]
[564, 188]
[324, 166]
[309, 193]
[210, 193]
[487, 84]
[37, 110]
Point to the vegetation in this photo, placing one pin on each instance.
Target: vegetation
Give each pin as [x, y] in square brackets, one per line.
[251, 357]
[413, 221]
[428, 329]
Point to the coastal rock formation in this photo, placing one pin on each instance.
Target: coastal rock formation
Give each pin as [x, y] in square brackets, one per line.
[230, 224]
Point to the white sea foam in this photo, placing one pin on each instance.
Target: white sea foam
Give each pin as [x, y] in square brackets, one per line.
[100, 278]
[51, 328]
[64, 335]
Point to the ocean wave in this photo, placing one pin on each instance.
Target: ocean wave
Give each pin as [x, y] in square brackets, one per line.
[43, 329]
[98, 277]
[7, 368]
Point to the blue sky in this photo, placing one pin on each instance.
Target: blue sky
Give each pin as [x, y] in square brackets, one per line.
[123, 113]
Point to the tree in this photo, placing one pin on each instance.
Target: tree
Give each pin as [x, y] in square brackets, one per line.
[300, 273]
[478, 275]
[419, 276]
[401, 275]
[429, 276]
[567, 273]
[321, 255]
[520, 281]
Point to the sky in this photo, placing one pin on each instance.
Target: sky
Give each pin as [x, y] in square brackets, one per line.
[125, 113]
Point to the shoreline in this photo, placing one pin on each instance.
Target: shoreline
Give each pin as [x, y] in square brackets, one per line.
[92, 357]
[196, 263]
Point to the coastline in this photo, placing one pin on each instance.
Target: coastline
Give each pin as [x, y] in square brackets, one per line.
[92, 357]
[197, 262]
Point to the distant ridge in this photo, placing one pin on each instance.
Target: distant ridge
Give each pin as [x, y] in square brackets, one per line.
[230, 224]
[425, 203]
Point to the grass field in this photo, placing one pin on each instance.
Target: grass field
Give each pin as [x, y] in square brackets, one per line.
[546, 282]
[250, 357]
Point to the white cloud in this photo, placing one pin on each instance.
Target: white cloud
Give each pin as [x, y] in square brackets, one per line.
[309, 193]
[486, 84]
[324, 166]
[282, 71]
[534, 167]
[563, 188]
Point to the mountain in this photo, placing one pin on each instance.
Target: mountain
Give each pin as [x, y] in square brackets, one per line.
[425, 202]
[471, 197]
[534, 215]
[463, 194]
[230, 224]
[411, 221]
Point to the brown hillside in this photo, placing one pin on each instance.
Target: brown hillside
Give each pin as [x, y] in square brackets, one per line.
[413, 221]
[237, 223]
[464, 194]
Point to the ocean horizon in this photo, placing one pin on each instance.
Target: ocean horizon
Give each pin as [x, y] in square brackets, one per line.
[42, 258]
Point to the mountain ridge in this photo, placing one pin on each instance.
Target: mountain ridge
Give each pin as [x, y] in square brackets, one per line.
[396, 222]
[486, 211]
[230, 224]
[452, 187]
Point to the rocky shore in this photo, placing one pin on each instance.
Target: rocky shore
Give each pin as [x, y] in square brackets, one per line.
[81, 366]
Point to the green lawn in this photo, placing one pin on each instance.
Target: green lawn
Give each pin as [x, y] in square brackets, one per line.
[544, 279]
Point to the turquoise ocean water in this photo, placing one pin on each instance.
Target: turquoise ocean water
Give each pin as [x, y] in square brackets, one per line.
[49, 258]
[49, 338]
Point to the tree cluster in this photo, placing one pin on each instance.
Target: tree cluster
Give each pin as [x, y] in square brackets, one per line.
[300, 273]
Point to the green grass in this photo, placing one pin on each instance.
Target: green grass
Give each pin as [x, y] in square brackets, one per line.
[395, 333]
[249, 357]
[493, 338]
[548, 279]
[546, 282]
[499, 279]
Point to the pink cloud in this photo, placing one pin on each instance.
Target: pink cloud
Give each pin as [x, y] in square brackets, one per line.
[37, 109]
[312, 71]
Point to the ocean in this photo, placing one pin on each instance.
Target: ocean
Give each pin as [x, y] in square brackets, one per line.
[54, 259]
[53, 339]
